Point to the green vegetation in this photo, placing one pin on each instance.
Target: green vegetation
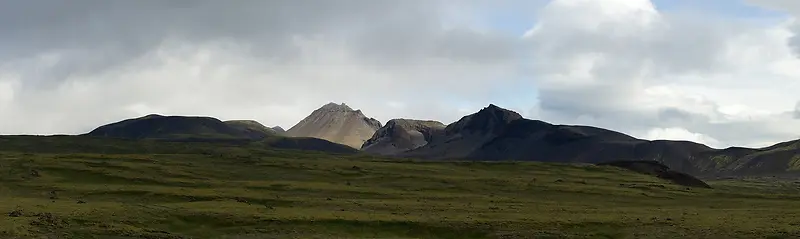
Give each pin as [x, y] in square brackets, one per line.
[72, 187]
[794, 164]
[722, 160]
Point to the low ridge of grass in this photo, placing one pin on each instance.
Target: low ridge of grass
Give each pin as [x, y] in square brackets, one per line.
[216, 191]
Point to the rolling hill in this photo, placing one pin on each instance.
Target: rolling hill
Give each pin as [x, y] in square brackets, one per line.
[172, 128]
[252, 128]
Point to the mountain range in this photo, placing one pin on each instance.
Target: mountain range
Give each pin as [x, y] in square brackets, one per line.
[493, 134]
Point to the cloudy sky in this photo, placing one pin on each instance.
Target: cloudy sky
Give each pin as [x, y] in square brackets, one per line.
[720, 72]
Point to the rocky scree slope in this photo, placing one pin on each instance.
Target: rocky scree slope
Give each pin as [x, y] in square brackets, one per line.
[400, 135]
[337, 123]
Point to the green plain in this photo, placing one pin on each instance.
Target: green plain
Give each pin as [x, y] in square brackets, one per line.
[105, 189]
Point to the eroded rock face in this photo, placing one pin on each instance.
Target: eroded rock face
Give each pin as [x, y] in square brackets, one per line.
[400, 135]
[337, 123]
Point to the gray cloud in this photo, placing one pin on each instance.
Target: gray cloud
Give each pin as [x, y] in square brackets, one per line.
[70, 67]
[91, 36]
[786, 6]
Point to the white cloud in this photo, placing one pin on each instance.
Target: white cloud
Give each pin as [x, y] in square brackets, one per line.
[626, 66]
[680, 134]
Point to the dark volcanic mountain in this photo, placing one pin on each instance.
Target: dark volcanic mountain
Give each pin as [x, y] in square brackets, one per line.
[400, 135]
[172, 128]
[466, 136]
[494, 133]
[336, 123]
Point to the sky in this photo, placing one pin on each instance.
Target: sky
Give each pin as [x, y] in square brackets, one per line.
[719, 72]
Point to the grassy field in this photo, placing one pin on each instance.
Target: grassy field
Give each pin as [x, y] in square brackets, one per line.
[239, 192]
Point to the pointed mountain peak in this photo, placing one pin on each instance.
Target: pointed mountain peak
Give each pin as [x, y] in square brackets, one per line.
[336, 123]
[336, 107]
[279, 129]
[502, 114]
[488, 119]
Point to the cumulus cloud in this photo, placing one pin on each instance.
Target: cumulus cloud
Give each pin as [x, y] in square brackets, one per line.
[627, 66]
[680, 134]
[621, 64]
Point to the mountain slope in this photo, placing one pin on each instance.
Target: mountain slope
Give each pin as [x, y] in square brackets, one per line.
[494, 133]
[279, 130]
[252, 128]
[170, 128]
[659, 170]
[206, 129]
[399, 135]
[336, 123]
[464, 137]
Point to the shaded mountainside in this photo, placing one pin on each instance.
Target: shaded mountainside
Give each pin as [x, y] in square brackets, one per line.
[777, 160]
[400, 135]
[494, 133]
[279, 130]
[252, 128]
[659, 170]
[172, 128]
[336, 123]
[207, 130]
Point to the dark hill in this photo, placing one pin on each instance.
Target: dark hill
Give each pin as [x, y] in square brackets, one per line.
[659, 170]
[494, 133]
[466, 136]
[252, 128]
[171, 128]
[312, 144]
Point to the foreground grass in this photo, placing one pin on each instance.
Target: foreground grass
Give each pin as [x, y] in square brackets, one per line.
[303, 195]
